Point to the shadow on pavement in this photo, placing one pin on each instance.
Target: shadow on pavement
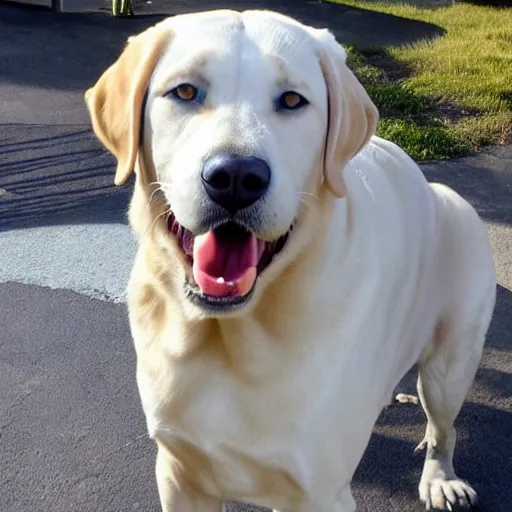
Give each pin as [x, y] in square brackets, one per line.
[483, 179]
[62, 175]
[390, 469]
[54, 175]
[57, 175]
[36, 46]
[499, 337]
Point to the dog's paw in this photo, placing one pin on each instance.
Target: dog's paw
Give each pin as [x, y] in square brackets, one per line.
[453, 495]
[405, 398]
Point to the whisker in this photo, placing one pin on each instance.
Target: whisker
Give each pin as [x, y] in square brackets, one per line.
[156, 218]
[307, 194]
[303, 198]
[159, 189]
[304, 202]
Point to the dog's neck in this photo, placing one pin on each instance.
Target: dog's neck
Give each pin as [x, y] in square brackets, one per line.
[155, 292]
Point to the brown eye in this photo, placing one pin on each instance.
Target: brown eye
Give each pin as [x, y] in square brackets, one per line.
[291, 100]
[185, 92]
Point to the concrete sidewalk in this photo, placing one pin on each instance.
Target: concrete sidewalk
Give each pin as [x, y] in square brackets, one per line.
[72, 434]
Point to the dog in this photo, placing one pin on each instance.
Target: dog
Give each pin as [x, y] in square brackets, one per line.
[291, 267]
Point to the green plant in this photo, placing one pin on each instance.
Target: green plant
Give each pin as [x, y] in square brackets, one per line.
[122, 8]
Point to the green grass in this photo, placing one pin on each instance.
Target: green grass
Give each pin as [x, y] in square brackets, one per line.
[442, 98]
[423, 142]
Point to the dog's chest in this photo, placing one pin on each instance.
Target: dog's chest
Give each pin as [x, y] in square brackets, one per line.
[235, 433]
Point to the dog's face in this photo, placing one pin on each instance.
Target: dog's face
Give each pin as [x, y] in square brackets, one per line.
[236, 118]
[244, 115]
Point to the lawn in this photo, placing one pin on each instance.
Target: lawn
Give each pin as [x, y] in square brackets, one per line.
[445, 97]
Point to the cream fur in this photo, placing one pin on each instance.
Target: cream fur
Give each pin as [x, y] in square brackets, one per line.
[275, 404]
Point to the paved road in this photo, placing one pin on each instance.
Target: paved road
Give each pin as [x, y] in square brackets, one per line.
[72, 435]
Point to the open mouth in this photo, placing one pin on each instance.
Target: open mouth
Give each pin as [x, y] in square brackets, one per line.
[225, 261]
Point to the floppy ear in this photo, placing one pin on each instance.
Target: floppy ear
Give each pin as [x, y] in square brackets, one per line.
[115, 101]
[352, 115]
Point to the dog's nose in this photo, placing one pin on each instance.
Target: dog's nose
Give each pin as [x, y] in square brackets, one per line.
[235, 182]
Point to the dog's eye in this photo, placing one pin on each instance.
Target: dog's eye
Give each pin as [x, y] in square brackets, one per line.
[186, 92]
[291, 100]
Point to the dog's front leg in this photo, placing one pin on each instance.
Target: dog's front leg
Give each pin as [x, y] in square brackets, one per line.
[180, 499]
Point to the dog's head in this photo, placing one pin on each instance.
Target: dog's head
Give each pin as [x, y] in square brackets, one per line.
[241, 123]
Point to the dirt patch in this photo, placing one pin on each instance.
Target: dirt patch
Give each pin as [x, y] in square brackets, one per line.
[451, 113]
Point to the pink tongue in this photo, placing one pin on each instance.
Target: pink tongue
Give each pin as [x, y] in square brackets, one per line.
[225, 266]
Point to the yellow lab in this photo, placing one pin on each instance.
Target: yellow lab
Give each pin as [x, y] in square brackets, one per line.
[292, 267]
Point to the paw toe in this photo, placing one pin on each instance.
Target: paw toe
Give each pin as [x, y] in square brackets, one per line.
[451, 495]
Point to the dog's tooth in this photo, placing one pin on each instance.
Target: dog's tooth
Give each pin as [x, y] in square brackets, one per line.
[220, 280]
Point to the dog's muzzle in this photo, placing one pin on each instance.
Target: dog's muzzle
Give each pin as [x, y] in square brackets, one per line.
[235, 182]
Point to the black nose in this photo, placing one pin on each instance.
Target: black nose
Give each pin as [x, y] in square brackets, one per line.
[235, 182]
